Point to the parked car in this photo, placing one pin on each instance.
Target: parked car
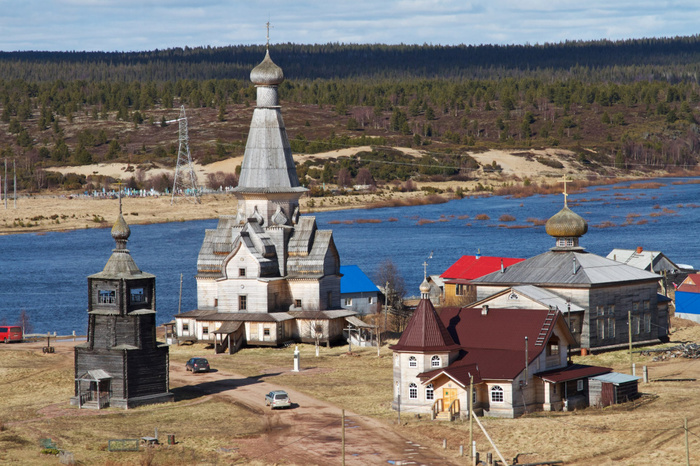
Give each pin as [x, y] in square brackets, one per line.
[197, 365]
[10, 333]
[277, 399]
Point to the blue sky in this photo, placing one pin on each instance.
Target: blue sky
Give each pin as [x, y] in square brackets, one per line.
[128, 25]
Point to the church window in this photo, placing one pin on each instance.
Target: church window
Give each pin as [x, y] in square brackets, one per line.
[600, 310]
[413, 391]
[412, 362]
[241, 272]
[106, 296]
[242, 302]
[370, 300]
[600, 326]
[137, 296]
[205, 331]
[611, 309]
[429, 392]
[297, 303]
[647, 322]
[635, 307]
[435, 361]
[565, 242]
[496, 394]
[348, 301]
[460, 289]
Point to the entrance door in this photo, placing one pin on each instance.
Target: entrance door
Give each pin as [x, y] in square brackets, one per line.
[448, 396]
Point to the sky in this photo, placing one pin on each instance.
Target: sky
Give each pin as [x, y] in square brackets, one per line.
[135, 25]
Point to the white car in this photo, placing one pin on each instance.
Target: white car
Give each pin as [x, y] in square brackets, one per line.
[278, 399]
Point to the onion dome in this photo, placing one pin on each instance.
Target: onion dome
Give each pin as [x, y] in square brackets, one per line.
[120, 230]
[267, 73]
[425, 287]
[566, 224]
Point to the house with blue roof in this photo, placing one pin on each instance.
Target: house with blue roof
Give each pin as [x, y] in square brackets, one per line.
[357, 292]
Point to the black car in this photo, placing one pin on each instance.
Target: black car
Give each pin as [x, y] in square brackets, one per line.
[197, 365]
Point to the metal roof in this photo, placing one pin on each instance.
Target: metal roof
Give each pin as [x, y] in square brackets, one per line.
[357, 322]
[228, 327]
[616, 378]
[245, 317]
[425, 331]
[572, 372]
[354, 280]
[547, 298]
[471, 267]
[329, 314]
[576, 268]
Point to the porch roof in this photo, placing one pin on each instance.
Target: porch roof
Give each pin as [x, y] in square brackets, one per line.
[357, 322]
[228, 327]
[245, 317]
[616, 378]
[459, 373]
[194, 313]
[95, 374]
[572, 372]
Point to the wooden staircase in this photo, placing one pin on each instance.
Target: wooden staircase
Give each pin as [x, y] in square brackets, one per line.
[443, 416]
[548, 321]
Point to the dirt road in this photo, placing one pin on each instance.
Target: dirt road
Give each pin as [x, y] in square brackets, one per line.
[309, 432]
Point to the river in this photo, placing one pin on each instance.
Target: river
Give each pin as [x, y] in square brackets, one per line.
[45, 274]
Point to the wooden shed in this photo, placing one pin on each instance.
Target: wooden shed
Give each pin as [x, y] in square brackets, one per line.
[612, 388]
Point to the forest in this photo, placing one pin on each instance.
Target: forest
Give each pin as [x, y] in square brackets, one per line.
[625, 105]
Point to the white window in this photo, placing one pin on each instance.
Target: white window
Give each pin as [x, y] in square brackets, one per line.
[413, 391]
[635, 325]
[435, 361]
[599, 310]
[496, 394]
[205, 330]
[412, 362]
[370, 300]
[348, 301]
[579, 385]
[242, 302]
[429, 392]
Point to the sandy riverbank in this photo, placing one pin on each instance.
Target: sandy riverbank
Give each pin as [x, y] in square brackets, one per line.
[63, 212]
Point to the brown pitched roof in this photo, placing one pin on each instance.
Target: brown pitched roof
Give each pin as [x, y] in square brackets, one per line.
[496, 341]
[425, 331]
[572, 372]
[459, 372]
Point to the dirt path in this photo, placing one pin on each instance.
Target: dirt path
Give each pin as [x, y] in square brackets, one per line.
[309, 432]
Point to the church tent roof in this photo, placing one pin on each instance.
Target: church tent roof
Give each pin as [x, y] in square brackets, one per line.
[425, 331]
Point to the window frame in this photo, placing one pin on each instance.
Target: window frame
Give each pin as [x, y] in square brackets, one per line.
[242, 272]
[242, 302]
[433, 361]
[579, 385]
[412, 361]
[412, 391]
[106, 296]
[497, 392]
[430, 392]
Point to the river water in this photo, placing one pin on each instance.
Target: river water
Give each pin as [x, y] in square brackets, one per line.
[45, 274]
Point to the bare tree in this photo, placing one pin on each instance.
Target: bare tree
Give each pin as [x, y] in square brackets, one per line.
[24, 322]
[388, 276]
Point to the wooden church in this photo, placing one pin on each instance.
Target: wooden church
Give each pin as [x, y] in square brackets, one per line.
[121, 364]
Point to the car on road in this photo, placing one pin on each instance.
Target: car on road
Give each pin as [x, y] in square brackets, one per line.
[278, 399]
[197, 365]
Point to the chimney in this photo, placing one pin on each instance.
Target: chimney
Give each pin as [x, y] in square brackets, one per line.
[639, 249]
[478, 254]
[502, 268]
[484, 309]
[574, 264]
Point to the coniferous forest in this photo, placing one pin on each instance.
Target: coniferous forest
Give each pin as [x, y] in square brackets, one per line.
[624, 105]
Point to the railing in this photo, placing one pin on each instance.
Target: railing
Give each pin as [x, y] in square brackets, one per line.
[436, 408]
[454, 409]
[104, 400]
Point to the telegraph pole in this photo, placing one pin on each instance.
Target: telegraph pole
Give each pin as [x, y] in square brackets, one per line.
[629, 330]
[471, 416]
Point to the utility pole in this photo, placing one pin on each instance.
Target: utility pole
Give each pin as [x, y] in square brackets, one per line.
[343, 434]
[386, 304]
[687, 449]
[471, 417]
[629, 331]
[5, 183]
[179, 303]
[14, 186]
[184, 158]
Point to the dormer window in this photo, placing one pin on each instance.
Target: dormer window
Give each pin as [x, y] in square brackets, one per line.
[241, 272]
[106, 296]
[553, 346]
[412, 361]
[435, 361]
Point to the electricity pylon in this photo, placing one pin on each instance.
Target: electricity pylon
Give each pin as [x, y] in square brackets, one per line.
[187, 184]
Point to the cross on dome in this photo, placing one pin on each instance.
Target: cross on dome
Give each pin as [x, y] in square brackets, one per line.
[566, 195]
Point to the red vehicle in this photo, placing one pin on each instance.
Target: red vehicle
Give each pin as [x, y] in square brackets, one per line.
[9, 333]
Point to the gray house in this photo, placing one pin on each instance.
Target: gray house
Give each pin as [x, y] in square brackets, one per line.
[606, 290]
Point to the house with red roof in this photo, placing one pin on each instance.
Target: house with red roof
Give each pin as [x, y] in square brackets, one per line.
[457, 279]
[515, 361]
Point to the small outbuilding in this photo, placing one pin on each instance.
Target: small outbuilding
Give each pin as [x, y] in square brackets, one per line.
[612, 388]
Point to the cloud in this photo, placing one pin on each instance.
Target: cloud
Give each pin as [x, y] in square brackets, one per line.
[149, 24]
